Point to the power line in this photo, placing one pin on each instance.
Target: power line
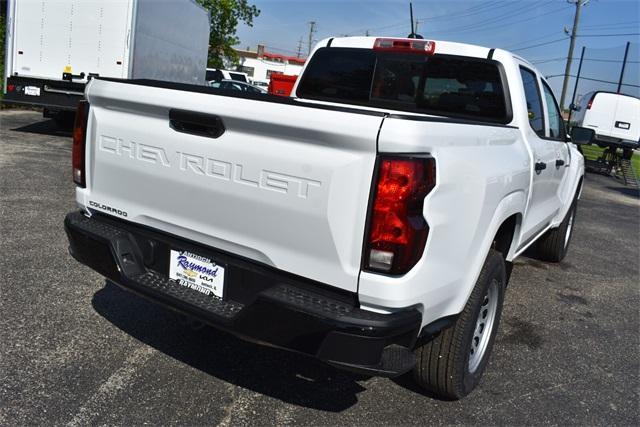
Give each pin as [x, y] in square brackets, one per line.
[578, 35]
[542, 61]
[609, 35]
[538, 45]
[499, 18]
[524, 42]
[506, 24]
[591, 79]
[474, 10]
[613, 24]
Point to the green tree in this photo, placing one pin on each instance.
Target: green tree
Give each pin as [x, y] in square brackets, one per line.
[225, 15]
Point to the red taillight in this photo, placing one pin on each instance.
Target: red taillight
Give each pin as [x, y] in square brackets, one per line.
[397, 229]
[590, 104]
[425, 47]
[11, 88]
[79, 135]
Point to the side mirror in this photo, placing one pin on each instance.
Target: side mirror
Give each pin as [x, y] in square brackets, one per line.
[574, 107]
[582, 136]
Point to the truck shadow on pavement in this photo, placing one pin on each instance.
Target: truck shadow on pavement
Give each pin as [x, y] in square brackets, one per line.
[290, 377]
[627, 191]
[46, 127]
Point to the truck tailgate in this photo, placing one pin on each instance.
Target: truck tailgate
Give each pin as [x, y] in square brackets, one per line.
[286, 185]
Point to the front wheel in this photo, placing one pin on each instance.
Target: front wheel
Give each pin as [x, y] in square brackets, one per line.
[554, 244]
[451, 365]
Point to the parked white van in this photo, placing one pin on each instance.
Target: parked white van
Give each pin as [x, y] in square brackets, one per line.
[614, 117]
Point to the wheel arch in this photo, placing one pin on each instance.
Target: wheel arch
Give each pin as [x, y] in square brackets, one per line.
[504, 240]
[502, 230]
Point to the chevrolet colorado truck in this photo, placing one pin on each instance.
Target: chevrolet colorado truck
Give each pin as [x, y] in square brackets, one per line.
[370, 220]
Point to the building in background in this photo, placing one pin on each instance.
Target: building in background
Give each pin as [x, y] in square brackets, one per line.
[260, 64]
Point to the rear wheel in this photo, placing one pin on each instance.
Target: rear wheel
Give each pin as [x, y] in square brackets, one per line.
[451, 365]
[64, 119]
[554, 244]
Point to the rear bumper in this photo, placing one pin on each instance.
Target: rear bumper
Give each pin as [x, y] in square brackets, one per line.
[260, 303]
[616, 142]
[52, 94]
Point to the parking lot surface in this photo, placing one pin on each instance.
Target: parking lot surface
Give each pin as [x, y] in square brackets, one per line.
[77, 350]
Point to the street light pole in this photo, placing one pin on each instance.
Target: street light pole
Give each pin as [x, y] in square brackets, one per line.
[624, 65]
[575, 87]
[574, 31]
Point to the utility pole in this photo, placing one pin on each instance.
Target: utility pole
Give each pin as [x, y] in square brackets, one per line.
[299, 47]
[574, 31]
[312, 29]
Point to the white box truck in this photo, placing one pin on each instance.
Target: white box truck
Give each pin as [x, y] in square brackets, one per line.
[55, 47]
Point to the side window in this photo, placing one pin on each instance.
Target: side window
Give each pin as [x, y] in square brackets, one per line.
[554, 118]
[534, 102]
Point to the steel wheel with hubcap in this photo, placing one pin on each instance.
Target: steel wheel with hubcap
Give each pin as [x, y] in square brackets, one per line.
[567, 234]
[451, 364]
[484, 326]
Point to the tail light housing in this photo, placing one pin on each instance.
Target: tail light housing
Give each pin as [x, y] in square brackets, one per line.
[396, 230]
[590, 103]
[78, 148]
[425, 47]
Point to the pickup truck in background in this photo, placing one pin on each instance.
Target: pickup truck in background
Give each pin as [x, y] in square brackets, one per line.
[370, 221]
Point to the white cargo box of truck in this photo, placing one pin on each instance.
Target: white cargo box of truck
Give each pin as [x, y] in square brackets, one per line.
[54, 47]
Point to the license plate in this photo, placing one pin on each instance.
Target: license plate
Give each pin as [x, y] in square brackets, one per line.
[32, 90]
[196, 272]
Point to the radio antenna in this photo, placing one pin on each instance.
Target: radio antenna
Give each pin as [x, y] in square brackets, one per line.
[413, 34]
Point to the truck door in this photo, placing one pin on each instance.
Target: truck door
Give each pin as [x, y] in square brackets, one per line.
[626, 118]
[556, 136]
[543, 200]
[600, 114]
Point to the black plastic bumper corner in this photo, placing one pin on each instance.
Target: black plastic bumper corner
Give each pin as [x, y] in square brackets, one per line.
[260, 303]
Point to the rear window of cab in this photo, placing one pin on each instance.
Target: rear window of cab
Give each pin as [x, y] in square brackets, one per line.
[445, 85]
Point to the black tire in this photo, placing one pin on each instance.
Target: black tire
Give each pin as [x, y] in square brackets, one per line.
[64, 120]
[443, 364]
[553, 245]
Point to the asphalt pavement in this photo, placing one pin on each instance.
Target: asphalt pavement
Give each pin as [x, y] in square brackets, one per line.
[77, 350]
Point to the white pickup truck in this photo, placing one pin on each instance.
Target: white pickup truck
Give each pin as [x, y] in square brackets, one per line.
[370, 221]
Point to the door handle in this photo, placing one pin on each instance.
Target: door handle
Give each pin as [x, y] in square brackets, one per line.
[540, 166]
[559, 163]
[195, 123]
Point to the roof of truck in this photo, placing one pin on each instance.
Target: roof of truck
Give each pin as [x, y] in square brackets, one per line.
[444, 47]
